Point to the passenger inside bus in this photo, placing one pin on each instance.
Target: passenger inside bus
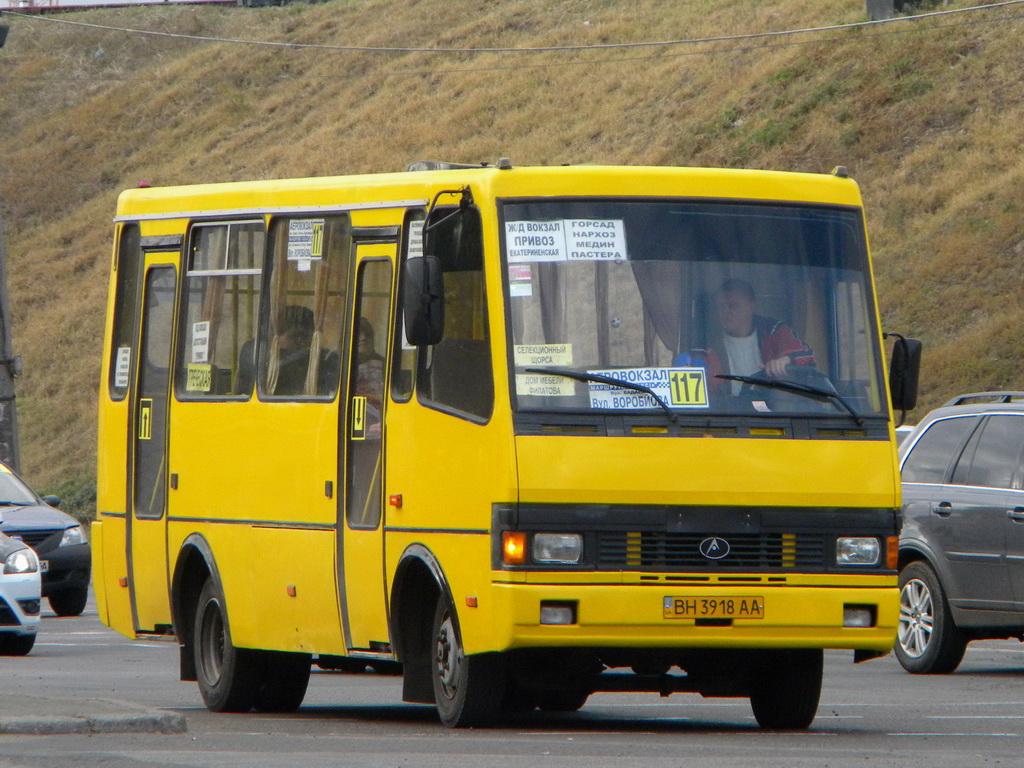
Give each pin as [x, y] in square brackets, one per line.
[293, 347]
[369, 374]
[295, 340]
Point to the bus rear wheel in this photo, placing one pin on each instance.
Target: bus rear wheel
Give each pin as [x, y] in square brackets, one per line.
[228, 677]
[468, 690]
[786, 688]
[283, 680]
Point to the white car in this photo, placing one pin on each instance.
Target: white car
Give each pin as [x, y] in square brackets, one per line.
[20, 595]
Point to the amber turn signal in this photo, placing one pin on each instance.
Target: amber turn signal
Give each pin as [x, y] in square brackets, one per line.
[513, 548]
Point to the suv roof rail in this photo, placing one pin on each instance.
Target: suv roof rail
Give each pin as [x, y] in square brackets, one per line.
[985, 397]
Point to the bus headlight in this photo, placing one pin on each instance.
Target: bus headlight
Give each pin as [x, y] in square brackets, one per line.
[557, 548]
[22, 561]
[858, 550]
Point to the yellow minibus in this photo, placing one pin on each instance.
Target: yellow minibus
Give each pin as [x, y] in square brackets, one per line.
[518, 433]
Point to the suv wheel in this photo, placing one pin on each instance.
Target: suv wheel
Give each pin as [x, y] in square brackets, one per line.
[928, 640]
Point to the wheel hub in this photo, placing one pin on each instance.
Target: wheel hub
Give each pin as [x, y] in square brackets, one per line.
[446, 656]
[916, 622]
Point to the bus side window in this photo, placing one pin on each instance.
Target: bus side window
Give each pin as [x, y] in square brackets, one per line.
[129, 254]
[403, 363]
[221, 308]
[457, 374]
[300, 351]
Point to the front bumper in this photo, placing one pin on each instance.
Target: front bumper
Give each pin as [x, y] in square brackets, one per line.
[633, 616]
[19, 603]
[66, 568]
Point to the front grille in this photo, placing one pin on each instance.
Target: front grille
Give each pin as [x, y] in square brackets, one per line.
[32, 538]
[658, 550]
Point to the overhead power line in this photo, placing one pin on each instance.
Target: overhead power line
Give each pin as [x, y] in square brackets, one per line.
[526, 49]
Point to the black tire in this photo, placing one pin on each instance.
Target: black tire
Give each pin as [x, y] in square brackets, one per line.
[786, 689]
[562, 701]
[928, 641]
[228, 677]
[16, 645]
[69, 602]
[284, 678]
[468, 690]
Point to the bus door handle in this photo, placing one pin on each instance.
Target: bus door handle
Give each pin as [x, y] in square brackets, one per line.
[1016, 514]
[943, 508]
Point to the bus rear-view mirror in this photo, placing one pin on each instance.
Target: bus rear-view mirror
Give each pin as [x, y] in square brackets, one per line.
[904, 372]
[423, 301]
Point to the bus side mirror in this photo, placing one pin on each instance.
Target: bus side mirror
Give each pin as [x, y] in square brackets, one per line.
[904, 371]
[423, 301]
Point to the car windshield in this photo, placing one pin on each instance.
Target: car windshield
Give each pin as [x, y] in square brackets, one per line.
[13, 491]
[715, 307]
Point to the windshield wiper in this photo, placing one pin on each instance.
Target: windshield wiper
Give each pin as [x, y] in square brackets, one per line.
[597, 378]
[792, 386]
[15, 503]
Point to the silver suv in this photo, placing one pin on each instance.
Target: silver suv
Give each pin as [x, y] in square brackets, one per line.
[962, 546]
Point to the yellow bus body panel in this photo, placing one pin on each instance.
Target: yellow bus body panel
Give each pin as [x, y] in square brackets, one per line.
[269, 522]
[708, 471]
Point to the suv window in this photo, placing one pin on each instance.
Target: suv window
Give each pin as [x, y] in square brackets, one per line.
[993, 453]
[930, 457]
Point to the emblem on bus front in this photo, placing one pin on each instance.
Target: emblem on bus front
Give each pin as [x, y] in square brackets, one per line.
[714, 548]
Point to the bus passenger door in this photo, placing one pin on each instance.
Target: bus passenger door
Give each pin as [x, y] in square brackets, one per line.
[361, 563]
[147, 520]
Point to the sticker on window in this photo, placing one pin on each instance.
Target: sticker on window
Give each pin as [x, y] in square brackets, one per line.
[677, 388]
[520, 280]
[199, 378]
[414, 247]
[201, 342]
[305, 242]
[539, 385]
[595, 240]
[146, 419]
[529, 355]
[565, 240]
[122, 367]
[533, 241]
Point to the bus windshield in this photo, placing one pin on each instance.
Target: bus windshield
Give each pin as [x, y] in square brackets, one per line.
[708, 307]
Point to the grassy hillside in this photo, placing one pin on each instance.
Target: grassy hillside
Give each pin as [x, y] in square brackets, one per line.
[927, 116]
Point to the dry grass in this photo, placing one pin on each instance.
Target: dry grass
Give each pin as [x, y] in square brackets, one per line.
[930, 123]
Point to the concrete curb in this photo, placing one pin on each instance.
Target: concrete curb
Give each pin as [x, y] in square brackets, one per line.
[31, 716]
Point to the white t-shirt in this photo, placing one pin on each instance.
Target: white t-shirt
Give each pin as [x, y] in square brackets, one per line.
[744, 357]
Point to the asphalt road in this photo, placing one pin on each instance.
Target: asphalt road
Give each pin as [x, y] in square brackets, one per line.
[871, 714]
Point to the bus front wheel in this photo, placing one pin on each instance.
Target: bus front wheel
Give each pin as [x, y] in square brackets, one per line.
[468, 690]
[786, 688]
[228, 677]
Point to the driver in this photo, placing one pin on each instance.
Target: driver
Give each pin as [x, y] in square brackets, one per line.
[751, 343]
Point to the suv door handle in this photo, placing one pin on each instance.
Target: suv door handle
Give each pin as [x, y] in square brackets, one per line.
[943, 508]
[1016, 514]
